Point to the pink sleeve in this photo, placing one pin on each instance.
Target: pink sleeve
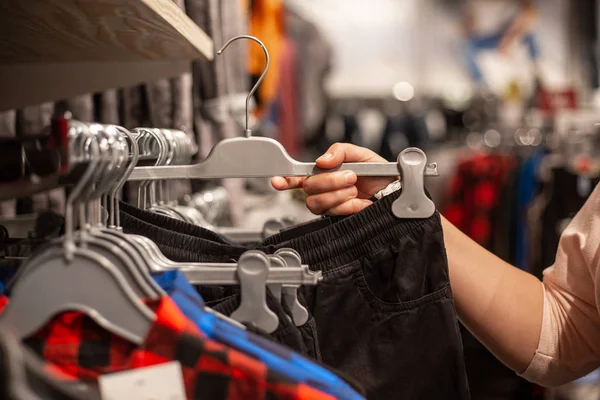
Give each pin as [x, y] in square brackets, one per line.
[569, 345]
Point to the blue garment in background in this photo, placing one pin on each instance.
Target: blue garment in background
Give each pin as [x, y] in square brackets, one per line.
[6, 276]
[476, 44]
[526, 190]
[272, 354]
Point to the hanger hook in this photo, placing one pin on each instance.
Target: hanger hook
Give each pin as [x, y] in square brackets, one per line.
[91, 145]
[247, 131]
[115, 218]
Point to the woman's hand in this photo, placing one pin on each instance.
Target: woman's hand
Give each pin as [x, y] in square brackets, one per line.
[340, 192]
[501, 305]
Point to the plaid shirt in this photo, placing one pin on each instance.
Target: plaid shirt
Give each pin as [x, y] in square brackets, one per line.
[43, 379]
[474, 193]
[277, 357]
[81, 348]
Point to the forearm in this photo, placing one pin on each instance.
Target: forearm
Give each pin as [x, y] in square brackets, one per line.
[500, 304]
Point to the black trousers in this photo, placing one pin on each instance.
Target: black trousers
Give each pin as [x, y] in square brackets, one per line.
[384, 312]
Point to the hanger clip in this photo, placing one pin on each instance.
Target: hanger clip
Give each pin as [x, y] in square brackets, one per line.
[413, 202]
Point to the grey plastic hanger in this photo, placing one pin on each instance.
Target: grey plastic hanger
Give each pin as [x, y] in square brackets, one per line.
[90, 236]
[149, 143]
[257, 157]
[169, 153]
[115, 251]
[37, 372]
[138, 265]
[226, 274]
[275, 288]
[157, 261]
[253, 269]
[16, 378]
[290, 292]
[180, 151]
[413, 202]
[67, 277]
[116, 246]
[249, 157]
[27, 376]
[247, 282]
[89, 284]
[272, 226]
[115, 219]
[243, 236]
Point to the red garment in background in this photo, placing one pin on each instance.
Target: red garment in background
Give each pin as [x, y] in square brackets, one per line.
[552, 101]
[288, 119]
[474, 193]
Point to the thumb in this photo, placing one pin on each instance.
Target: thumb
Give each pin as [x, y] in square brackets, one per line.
[339, 153]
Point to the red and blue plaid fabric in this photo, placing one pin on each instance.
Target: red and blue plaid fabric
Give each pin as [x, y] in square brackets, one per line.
[81, 348]
[276, 357]
[474, 193]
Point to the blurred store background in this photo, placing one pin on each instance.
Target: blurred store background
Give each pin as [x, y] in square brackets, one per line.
[502, 94]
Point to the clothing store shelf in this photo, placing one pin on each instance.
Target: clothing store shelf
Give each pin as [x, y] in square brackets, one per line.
[55, 49]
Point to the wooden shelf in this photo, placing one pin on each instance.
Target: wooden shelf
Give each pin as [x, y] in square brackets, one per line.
[91, 41]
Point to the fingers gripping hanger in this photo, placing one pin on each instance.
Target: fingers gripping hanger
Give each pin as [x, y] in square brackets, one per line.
[255, 157]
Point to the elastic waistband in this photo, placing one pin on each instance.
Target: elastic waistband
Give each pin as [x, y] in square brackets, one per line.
[181, 247]
[172, 224]
[354, 237]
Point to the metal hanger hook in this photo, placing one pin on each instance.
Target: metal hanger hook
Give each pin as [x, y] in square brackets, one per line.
[247, 131]
[94, 152]
[115, 218]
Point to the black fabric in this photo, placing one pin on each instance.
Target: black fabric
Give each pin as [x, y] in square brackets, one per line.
[310, 336]
[303, 339]
[411, 125]
[224, 299]
[306, 228]
[384, 311]
[488, 377]
[49, 225]
[286, 333]
[179, 246]
[20, 247]
[311, 324]
[172, 224]
[4, 373]
[504, 220]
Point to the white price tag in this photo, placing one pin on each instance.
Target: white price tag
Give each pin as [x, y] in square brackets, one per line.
[158, 382]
